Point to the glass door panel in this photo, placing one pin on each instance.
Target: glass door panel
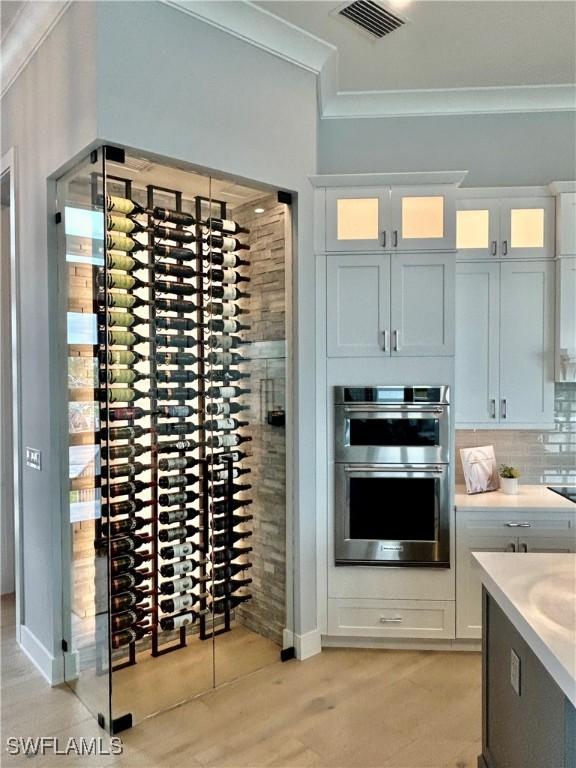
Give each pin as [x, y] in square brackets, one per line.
[422, 222]
[357, 219]
[477, 228]
[528, 227]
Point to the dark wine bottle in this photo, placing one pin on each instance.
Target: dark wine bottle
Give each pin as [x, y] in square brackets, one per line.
[176, 393]
[226, 538]
[179, 445]
[122, 527]
[180, 568]
[180, 462]
[225, 343]
[125, 470]
[175, 305]
[176, 411]
[125, 507]
[227, 260]
[124, 451]
[123, 205]
[185, 549]
[218, 458]
[178, 289]
[177, 481]
[226, 292]
[119, 241]
[224, 588]
[178, 515]
[180, 603]
[225, 243]
[179, 428]
[181, 497]
[176, 235]
[176, 358]
[225, 409]
[125, 545]
[225, 393]
[220, 556]
[220, 524]
[224, 604]
[174, 217]
[228, 571]
[224, 425]
[123, 224]
[176, 324]
[221, 507]
[127, 636]
[121, 319]
[121, 376]
[120, 621]
[123, 357]
[120, 301]
[225, 375]
[226, 326]
[227, 276]
[175, 270]
[125, 600]
[172, 252]
[226, 225]
[226, 309]
[222, 474]
[127, 414]
[127, 581]
[226, 441]
[183, 584]
[128, 562]
[174, 340]
[124, 282]
[225, 358]
[177, 376]
[124, 395]
[127, 488]
[178, 532]
[221, 490]
[176, 622]
[131, 432]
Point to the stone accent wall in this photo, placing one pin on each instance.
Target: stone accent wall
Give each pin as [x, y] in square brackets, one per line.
[542, 456]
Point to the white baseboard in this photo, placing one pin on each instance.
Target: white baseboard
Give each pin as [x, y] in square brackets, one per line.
[333, 641]
[308, 645]
[51, 667]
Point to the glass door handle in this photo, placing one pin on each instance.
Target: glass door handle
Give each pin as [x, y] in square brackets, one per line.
[384, 238]
[395, 238]
[494, 249]
[504, 247]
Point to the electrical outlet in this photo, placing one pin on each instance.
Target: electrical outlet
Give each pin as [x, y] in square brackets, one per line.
[34, 458]
[515, 671]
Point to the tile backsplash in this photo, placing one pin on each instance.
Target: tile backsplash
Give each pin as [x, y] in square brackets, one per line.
[542, 456]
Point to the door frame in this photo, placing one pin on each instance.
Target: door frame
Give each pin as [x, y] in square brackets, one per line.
[8, 164]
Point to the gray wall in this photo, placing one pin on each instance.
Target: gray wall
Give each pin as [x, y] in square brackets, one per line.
[497, 150]
[48, 115]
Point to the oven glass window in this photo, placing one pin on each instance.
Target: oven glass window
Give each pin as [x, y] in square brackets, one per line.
[395, 432]
[393, 508]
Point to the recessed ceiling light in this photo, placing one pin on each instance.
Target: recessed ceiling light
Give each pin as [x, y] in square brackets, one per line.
[258, 210]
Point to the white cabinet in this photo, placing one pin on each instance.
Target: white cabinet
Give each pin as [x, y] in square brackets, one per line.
[390, 219]
[369, 618]
[566, 224]
[515, 227]
[505, 344]
[500, 532]
[399, 305]
[566, 319]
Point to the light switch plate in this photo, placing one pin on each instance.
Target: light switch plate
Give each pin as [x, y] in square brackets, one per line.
[34, 458]
[515, 671]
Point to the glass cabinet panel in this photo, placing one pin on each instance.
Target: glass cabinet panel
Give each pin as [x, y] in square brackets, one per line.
[357, 218]
[422, 218]
[477, 228]
[472, 229]
[527, 228]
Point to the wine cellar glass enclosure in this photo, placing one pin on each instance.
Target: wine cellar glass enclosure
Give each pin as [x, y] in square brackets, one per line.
[175, 309]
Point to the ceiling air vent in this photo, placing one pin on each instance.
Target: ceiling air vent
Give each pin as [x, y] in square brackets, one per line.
[371, 17]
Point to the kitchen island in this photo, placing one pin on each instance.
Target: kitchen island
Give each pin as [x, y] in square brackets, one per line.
[529, 660]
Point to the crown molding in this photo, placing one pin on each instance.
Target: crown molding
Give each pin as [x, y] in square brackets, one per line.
[404, 179]
[25, 35]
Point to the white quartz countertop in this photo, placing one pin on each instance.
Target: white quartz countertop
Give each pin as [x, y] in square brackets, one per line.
[528, 497]
[538, 594]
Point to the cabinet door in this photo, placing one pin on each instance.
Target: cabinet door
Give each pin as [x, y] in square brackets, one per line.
[357, 219]
[423, 219]
[548, 544]
[527, 227]
[468, 578]
[477, 343]
[566, 324]
[358, 305]
[527, 342]
[422, 317]
[477, 228]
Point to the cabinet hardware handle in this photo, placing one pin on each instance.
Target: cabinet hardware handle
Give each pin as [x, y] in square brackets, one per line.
[505, 247]
[523, 547]
[504, 408]
[493, 408]
[382, 468]
[494, 247]
[384, 342]
[385, 620]
[384, 239]
[395, 238]
[519, 525]
[512, 547]
[396, 345]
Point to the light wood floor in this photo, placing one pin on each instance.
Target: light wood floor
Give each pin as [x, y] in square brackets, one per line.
[341, 709]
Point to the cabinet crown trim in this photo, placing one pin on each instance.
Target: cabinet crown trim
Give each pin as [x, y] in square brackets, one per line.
[404, 179]
[465, 193]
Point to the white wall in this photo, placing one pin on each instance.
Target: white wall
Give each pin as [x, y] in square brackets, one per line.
[497, 150]
[48, 115]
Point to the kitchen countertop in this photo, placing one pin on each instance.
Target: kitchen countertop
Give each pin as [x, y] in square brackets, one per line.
[537, 592]
[528, 497]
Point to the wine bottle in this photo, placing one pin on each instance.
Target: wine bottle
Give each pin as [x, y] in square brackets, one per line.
[121, 261]
[179, 445]
[128, 636]
[221, 490]
[225, 588]
[127, 581]
[225, 409]
[180, 462]
[183, 584]
[178, 532]
[123, 282]
[222, 474]
[227, 260]
[177, 481]
[125, 507]
[177, 235]
[224, 393]
[218, 458]
[180, 568]
[122, 527]
[175, 270]
[184, 549]
[173, 252]
[123, 357]
[123, 224]
[176, 324]
[125, 545]
[174, 340]
[226, 441]
[225, 375]
[221, 507]
[176, 622]
[176, 358]
[178, 289]
[220, 556]
[125, 470]
[174, 217]
[125, 600]
[220, 524]
[181, 497]
[226, 225]
[127, 414]
[180, 393]
[121, 319]
[180, 603]
[178, 515]
[225, 358]
[123, 205]
[124, 451]
[177, 376]
[179, 429]
[224, 604]
[124, 395]
[127, 488]
[176, 411]
[228, 276]
[121, 621]
[227, 309]
[225, 243]
[131, 432]
[226, 292]
[226, 538]
[221, 572]
[122, 338]
[121, 376]
[226, 326]
[128, 562]
[119, 241]
[175, 305]
[120, 301]
[223, 425]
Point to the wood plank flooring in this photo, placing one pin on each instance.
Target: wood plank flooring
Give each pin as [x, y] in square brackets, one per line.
[345, 708]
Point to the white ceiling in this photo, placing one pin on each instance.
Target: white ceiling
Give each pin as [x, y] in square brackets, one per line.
[457, 44]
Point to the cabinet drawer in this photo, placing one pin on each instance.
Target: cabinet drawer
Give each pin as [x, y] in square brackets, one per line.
[519, 524]
[391, 618]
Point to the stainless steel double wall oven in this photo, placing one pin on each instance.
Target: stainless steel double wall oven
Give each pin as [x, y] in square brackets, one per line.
[392, 461]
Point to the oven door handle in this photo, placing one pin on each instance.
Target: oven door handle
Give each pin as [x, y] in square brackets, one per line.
[437, 470]
[388, 407]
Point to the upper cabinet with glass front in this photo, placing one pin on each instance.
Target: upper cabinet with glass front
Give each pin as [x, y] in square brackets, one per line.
[390, 219]
[505, 227]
